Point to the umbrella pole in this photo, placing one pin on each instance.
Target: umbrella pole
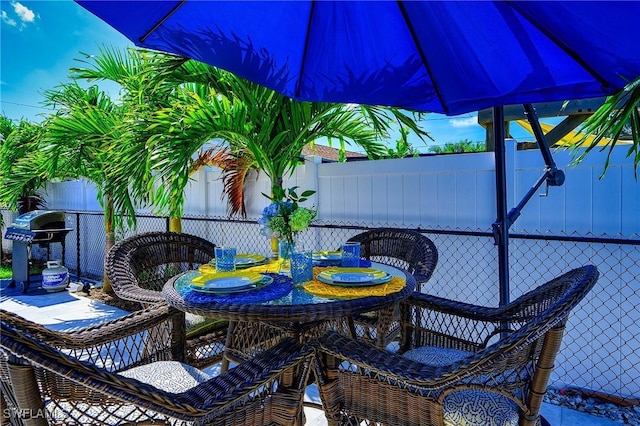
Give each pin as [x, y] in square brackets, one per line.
[500, 227]
[552, 176]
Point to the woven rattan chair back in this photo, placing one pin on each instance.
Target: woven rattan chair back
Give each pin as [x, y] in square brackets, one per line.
[140, 265]
[37, 396]
[403, 248]
[458, 360]
[50, 378]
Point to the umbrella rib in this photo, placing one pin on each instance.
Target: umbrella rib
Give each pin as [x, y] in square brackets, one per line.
[435, 85]
[160, 22]
[560, 44]
[304, 52]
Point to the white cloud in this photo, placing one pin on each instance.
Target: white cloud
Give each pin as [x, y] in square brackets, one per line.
[464, 122]
[9, 21]
[26, 15]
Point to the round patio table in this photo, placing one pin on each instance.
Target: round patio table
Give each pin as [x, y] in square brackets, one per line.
[298, 306]
[293, 314]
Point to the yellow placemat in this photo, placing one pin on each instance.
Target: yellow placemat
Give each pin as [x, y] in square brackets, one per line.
[267, 267]
[325, 290]
[273, 266]
[207, 269]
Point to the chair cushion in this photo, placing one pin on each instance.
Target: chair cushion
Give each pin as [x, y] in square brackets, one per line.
[469, 407]
[436, 356]
[170, 376]
[472, 407]
[433, 355]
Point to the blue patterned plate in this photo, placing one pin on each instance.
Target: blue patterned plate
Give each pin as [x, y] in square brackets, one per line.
[227, 285]
[354, 278]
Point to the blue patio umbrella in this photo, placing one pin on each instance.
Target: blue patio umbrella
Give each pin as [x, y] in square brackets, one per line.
[448, 57]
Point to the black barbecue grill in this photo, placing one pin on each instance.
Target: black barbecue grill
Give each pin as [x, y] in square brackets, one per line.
[41, 227]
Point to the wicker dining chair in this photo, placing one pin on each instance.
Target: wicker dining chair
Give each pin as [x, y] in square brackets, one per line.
[127, 372]
[405, 249]
[140, 265]
[460, 363]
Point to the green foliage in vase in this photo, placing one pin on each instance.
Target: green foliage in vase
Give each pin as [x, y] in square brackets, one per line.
[284, 217]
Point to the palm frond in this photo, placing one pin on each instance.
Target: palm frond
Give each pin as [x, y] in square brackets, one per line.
[235, 169]
[619, 116]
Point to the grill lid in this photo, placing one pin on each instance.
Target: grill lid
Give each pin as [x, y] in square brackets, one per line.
[40, 219]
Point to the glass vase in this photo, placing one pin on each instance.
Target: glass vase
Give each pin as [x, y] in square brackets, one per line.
[285, 249]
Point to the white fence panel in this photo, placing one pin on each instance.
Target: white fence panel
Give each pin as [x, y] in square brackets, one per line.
[454, 191]
[436, 191]
[445, 191]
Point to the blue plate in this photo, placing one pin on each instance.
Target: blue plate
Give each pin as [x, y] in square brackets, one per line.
[231, 285]
[353, 279]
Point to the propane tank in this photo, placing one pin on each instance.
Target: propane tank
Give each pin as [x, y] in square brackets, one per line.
[55, 277]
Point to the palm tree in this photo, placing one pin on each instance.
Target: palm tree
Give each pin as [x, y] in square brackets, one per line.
[130, 162]
[20, 157]
[189, 135]
[262, 129]
[82, 141]
[618, 117]
[6, 127]
[177, 107]
[146, 98]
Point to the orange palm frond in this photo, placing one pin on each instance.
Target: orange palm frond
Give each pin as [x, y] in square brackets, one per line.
[235, 166]
[233, 180]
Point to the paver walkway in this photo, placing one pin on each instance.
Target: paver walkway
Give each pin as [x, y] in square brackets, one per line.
[69, 311]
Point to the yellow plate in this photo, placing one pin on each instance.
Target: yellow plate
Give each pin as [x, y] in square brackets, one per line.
[248, 259]
[253, 277]
[327, 255]
[376, 273]
[207, 269]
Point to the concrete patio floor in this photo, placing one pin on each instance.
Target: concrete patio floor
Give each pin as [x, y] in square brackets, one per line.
[70, 311]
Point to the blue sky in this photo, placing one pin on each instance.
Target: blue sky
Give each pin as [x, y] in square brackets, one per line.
[42, 39]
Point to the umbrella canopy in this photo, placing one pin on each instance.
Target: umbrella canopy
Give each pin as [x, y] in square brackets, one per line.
[448, 57]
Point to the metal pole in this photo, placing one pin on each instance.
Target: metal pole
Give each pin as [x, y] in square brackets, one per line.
[500, 227]
[78, 246]
[552, 176]
[532, 117]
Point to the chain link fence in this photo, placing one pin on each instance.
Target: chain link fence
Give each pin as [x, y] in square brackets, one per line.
[601, 347]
